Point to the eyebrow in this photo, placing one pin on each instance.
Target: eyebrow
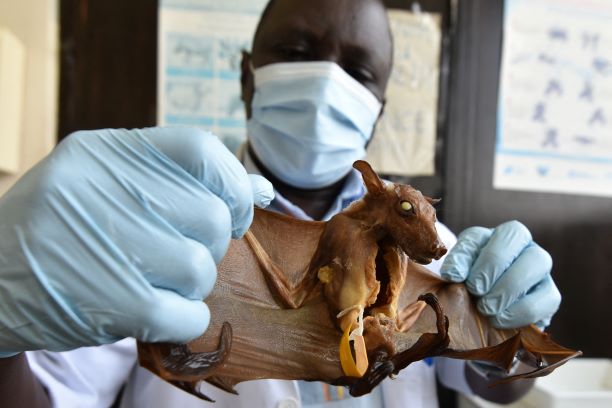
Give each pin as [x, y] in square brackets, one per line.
[357, 53]
[292, 33]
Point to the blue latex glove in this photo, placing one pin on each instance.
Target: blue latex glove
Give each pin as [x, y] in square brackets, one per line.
[116, 234]
[508, 271]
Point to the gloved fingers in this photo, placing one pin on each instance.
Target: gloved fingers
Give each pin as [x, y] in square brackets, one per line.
[537, 306]
[201, 216]
[461, 257]
[530, 268]
[205, 158]
[505, 245]
[543, 323]
[184, 266]
[263, 192]
[169, 317]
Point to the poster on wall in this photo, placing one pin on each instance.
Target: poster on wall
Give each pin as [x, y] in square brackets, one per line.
[405, 141]
[200, 44]
[555, 103]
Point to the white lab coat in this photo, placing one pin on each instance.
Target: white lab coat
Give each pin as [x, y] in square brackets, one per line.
[92, 377]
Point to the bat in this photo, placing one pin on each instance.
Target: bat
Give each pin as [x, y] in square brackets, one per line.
[347, 302]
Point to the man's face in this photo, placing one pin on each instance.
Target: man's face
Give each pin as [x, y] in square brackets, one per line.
[352, 33]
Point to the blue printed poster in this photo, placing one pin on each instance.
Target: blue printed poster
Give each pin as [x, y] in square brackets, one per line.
[200, 44]
[555, 103]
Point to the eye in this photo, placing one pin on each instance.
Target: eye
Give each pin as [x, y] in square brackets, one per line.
[293, 52]
[360, 74]
[407, 207]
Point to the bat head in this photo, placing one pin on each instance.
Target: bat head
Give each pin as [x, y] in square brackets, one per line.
[407, 217]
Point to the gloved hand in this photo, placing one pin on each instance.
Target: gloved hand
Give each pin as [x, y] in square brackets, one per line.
[508, 271]
[116, 234]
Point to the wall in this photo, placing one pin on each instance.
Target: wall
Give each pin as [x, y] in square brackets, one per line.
[35, 23]
[108, 57]
[575, 230]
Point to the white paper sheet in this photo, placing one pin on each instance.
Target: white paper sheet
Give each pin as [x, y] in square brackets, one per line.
[200, 44]
[405, 141]
[555, 107]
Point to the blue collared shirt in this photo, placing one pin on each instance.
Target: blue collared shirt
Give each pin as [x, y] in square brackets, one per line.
[352, 190]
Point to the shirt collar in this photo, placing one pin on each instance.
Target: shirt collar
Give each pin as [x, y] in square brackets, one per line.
[352, 190]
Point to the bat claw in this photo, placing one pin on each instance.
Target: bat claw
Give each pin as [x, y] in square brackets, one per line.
[441, 319]
[378, 371]
[182, 364]
[222, 383]
[191, 388]
[429, 344]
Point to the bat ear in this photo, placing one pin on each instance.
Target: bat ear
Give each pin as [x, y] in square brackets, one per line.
[373, 183]
[433, 201]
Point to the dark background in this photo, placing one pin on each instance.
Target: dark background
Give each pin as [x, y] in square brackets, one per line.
[108, 79]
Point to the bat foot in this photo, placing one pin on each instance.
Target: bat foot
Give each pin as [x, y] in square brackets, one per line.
[377, 372]
[441, 319]
[429, 344]
[180, 364]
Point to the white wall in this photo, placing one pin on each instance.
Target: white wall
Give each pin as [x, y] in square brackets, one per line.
[36, 24]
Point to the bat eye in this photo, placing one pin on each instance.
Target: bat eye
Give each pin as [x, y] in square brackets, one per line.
[406, 206]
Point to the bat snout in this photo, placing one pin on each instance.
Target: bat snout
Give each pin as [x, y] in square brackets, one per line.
[438, 250]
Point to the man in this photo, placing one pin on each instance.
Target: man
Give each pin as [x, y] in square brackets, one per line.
[313, 89]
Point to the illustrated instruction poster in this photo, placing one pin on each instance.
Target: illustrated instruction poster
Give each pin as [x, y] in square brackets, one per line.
[405, 142]
[200, 44]
[555, 107]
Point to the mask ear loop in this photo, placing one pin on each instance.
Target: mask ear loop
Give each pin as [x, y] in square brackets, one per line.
[252, 69]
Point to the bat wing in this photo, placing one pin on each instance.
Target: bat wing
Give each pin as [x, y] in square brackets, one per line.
[250, 335]
[471, 335]
[287, 242]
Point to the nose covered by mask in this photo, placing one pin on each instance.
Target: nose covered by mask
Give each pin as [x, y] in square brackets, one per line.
[310, 121]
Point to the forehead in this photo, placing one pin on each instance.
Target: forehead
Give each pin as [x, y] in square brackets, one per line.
[357, 24]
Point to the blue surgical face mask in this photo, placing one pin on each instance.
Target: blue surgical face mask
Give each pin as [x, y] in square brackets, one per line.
[310, 121]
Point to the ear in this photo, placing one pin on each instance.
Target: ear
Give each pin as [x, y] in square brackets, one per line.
[433, 201]
[382, 110]
[373, 183]
[247, 85]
